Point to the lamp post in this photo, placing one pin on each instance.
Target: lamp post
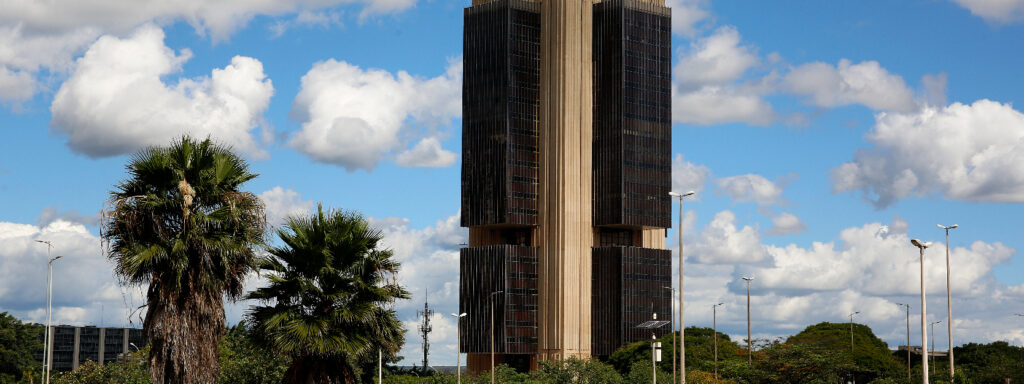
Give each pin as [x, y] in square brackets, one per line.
[672, 330]
[714, 328]
[48, 347]
[932, 353]
[949, 302]
[682, 291]
[458, 345]
[851, 331]
[924, 314]
[749, 341]
[908, 339]
[491, 300]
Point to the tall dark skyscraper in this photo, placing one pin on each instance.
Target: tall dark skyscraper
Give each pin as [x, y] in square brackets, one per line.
[565, 177]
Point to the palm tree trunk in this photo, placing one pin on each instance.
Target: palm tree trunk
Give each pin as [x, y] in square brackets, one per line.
[184, 330]
[314, 370]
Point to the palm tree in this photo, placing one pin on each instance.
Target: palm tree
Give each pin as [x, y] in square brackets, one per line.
[325, 302]
[181, 225]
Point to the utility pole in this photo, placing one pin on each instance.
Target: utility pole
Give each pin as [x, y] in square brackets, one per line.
[949, 302]
[491, 299]
[682, 291]
[48, 347]
[750, 355]
[458, 345]
[714, 327]
[908, 339]
[851, 331]
[924, 313]
[672, 330]
[932, 325]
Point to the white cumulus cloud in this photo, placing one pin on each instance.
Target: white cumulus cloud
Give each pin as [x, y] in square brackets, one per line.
[426, 153]
[786, 223]
[116, 102]
[281, 203]
[716, 59]
[687, 176]
[686, 14]
[865, 83]
[708, 85]
[353, 117]
[750, 188]
[1001, 11]
[37, 35]
[721, 242]
[965, 152]
[84, 287]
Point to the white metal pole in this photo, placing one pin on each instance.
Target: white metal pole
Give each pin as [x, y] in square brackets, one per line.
[458, 349]
[380, 366]
[750, 342]
[714, 328]
[49, 316]
[46, 333]
[682, 292]
[458, 346]
[491, 299]
[924, 321]
[47, 346]
[654, 367]
[949, 303]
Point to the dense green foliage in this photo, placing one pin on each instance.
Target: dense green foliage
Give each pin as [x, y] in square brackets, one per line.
[324, 306]
[243, 361]
[871, 356]
[990, 363]
[133, 370]
[18, 343]
[181, 225]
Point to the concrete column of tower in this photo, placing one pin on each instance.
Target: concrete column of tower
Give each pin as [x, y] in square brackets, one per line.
[565, 232]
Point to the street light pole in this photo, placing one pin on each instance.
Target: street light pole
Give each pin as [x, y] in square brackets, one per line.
[908, 339]
[458, 345]
[851, 331]
[750, 355]
[714, 328]
[949, 302]
[672, 330]
[48, 347]
[682, 291]
[932, 325]
[491, 300]
[924, 314]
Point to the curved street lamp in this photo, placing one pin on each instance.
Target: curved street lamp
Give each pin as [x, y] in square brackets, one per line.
[924, 314]
[949, 302]
[749, 341]
[490, 299]
[458, 345]
[682, 321]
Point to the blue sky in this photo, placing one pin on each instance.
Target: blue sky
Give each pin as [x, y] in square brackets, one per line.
[806, 126]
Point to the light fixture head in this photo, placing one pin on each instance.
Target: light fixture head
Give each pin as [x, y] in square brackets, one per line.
[721, 303]
[748, 278]
[677, 194]
[58, 257]
[463, 314]
[919, 243]
[954, 226]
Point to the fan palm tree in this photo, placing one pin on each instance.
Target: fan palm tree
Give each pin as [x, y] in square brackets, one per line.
[325, 302]
[181, 225]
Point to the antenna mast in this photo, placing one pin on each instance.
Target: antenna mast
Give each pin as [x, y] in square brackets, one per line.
[425, 329]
